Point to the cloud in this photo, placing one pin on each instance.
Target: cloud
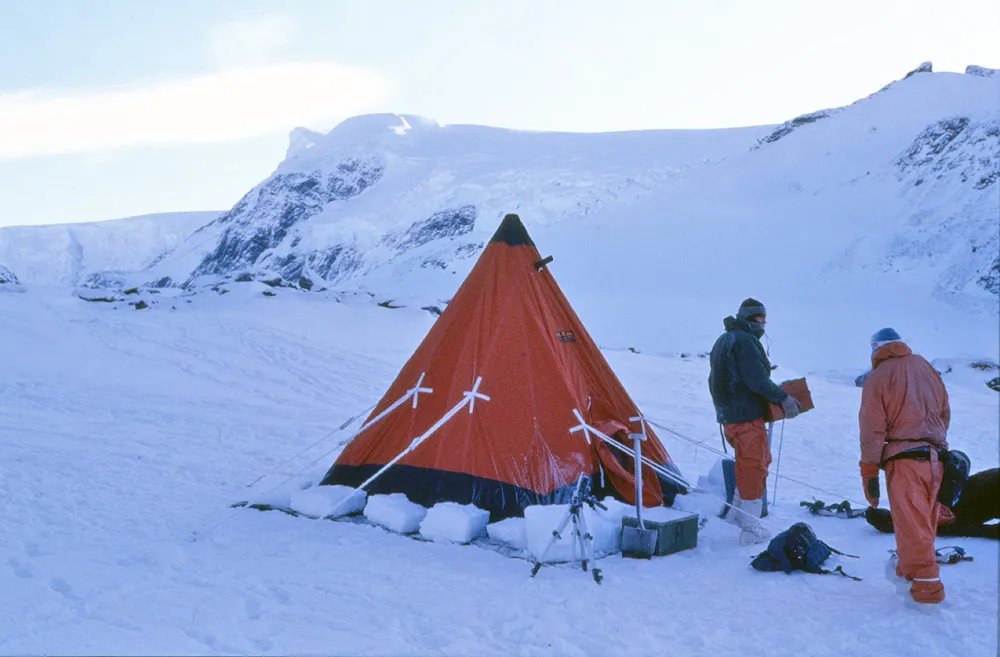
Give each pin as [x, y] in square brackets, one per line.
[249, 42]
[226, 106]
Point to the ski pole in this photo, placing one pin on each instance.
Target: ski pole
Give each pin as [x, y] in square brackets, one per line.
[777, 467]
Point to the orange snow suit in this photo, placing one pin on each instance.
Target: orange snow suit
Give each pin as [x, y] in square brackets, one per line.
[753, 455]
[904, 420]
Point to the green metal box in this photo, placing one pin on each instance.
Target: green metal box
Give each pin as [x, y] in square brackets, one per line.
[675, 530]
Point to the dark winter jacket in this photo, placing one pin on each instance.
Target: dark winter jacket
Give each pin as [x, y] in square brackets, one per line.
[740, 380]
[980, 499]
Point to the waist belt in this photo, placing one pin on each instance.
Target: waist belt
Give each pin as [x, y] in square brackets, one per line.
[916, 454]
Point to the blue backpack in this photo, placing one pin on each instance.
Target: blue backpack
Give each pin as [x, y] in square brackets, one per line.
[797, 548]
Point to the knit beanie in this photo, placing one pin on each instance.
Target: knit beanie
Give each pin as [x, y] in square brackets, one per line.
[749, 308]
[884, 336]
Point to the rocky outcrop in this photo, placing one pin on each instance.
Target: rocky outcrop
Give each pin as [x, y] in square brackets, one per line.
[957, 156]
[262, 219]
[7, 277]
[956, 146]
[8, 281]
[981, 71]
[990, 281]
[446, 223]
[327, 264]
[926, 67]
[787, 127]
[339, 261]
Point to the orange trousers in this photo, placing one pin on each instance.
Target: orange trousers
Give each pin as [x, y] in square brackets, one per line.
[913, 489]
[753, 455]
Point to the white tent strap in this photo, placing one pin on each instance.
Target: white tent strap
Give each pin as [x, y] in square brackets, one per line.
[467, 398]
[658, 468]
[396, 404]
[721, 453]
[472, 395]
[583, 426]
[416, 390]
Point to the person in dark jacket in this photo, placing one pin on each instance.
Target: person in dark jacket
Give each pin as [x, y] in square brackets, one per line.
[741, 388]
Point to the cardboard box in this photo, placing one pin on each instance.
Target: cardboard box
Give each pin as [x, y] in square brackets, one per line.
[796, 388]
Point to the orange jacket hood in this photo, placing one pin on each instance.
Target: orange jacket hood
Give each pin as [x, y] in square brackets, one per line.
[904, 405]
[891, 350]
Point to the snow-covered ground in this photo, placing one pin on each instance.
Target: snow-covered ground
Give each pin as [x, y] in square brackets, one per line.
[126, 435]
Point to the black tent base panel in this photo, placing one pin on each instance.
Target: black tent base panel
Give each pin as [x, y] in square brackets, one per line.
[427, 487]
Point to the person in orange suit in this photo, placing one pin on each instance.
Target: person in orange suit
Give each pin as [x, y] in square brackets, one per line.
[903, 422]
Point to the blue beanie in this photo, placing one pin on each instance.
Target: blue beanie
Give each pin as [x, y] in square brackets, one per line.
[750, 308]
[884, 336]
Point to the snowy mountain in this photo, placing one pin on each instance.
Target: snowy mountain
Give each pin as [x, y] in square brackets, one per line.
[71, 254]
[890, 203]
[382, 196]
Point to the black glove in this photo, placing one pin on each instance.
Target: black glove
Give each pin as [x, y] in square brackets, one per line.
[790, 406]
[869, 482]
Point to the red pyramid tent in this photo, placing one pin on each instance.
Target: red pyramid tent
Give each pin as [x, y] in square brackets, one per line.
[511, 355]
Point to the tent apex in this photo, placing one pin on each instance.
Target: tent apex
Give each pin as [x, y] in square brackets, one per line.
[512, 232]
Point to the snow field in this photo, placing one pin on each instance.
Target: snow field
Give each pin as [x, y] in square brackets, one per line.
[127, 435]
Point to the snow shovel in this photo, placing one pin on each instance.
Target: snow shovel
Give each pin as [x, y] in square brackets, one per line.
[638, 542]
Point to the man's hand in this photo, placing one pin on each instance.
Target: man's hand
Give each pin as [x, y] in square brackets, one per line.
[790, 407]
[869, 482]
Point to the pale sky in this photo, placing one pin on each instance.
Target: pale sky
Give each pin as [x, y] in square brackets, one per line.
[117, 108]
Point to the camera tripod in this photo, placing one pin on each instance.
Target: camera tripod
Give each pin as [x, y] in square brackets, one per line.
[581, 535]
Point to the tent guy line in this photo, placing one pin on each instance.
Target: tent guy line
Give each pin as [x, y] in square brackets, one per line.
[323, 439]
[587, 430]
[656, 467]
[776, 475]
[412, 392]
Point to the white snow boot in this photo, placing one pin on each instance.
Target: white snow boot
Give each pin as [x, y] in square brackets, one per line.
[733, 513]
[752, 531]
[901, 583]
